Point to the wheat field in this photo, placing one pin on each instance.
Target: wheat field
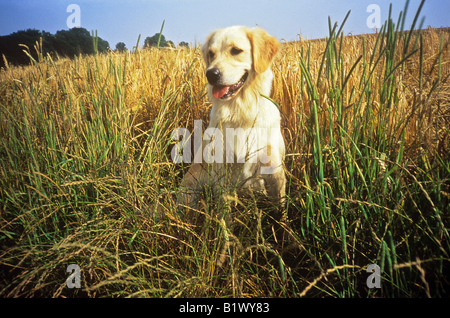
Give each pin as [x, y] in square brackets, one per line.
[86, 175]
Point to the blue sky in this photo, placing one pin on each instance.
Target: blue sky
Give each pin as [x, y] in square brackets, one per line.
[192, 20]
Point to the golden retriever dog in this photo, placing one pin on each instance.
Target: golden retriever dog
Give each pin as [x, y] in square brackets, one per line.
[243, 148]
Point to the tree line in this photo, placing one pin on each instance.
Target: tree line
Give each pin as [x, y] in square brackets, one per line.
[157, 40]
[67, 43]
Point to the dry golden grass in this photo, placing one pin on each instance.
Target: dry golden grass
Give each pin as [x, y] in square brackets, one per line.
[85, 148]
[148, 76]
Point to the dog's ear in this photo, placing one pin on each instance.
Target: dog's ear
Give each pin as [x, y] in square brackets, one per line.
[205, 48]
[264, 48]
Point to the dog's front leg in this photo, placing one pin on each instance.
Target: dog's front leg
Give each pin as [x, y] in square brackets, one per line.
[191, 186]
[275, 183]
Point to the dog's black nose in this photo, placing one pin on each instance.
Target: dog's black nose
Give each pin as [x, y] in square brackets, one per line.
[213, 75]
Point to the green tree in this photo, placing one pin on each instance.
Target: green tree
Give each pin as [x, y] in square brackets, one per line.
[9, 46]
[102, 45]
[153, 41]
[183, 44]
[121, 47]
[64, 43]
[74, 42]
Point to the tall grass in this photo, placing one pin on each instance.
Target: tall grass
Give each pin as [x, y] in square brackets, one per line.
[86, 176]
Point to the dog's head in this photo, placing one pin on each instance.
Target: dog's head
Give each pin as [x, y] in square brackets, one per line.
[235, 55]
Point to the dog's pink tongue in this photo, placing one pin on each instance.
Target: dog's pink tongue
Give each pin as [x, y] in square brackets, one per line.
[219, 91]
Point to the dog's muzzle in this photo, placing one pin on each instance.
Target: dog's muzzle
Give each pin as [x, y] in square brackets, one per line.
[223, 91]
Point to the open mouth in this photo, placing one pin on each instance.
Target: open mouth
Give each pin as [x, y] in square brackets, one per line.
[222, 92]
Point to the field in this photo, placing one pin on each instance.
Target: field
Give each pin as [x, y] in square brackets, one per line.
[86, 175]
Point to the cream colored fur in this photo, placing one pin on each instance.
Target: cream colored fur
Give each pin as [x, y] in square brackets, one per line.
[235, 51]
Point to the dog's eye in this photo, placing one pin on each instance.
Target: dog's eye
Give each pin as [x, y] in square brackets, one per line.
[236, 51]
[211, 55]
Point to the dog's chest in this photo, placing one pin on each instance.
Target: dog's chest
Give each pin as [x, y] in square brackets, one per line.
[232, 117]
